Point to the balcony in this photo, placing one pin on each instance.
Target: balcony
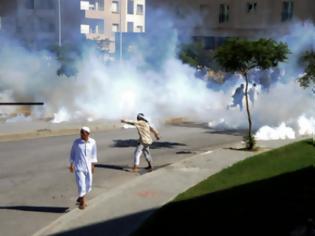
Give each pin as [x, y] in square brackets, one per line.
[93, 5]
[92, 11]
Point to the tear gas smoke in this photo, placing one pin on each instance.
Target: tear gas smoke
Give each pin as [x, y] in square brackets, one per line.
[269, 133]
[169, 89]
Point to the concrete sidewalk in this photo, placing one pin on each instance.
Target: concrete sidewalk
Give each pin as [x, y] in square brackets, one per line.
[121, 210]
[12, 131]
[36, 129]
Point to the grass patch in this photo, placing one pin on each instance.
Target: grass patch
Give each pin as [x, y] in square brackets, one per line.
[269, 194]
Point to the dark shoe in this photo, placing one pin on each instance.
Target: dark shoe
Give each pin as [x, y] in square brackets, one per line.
[82, 204]
[77, 202]
[149, 168]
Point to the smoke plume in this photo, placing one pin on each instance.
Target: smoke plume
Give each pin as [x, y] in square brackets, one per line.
[158, 84]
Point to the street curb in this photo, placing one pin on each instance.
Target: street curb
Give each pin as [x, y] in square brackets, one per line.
[108, 194]
[75, 213]
[46, 133]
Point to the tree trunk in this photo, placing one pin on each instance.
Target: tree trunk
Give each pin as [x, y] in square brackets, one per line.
[250, 140]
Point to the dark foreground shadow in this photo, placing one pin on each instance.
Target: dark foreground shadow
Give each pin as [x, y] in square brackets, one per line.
[282, 205]
[112, 167]
[155, 145]
[126, 168]
[310, 142]
[116, 227]
[190, 124]
[185, 152]
[37, 209]
[233, 132]
[244, 149]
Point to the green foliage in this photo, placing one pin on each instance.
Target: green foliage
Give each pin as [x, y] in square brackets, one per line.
[308, 61]
[196, 55]
[241, 55]
[250, 142]
[278, 161]
[268, 194]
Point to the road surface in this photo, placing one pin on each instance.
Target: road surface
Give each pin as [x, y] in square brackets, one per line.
[36, 186]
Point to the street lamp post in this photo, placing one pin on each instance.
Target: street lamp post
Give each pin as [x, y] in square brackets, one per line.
[59, 23]
[120, 30]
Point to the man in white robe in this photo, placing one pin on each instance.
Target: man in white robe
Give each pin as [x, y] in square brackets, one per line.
[82, 158]
[253, 94]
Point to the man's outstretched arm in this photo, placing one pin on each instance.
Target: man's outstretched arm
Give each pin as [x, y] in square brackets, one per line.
[129, 122]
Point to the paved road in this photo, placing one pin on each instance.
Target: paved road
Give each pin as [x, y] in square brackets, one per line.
[36, 188]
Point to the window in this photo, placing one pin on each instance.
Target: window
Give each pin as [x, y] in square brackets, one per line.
[84, 29]
[46, 26]
[129, 26]
[47, 4]
[204, 9]
[84, 5]
[115, 27]
[115, 6]
[251, 7]
[130, 9]
[287, 10]
[91, 7]
[224, 13]
[140, 28]
[139, 9]
[209, 42]
[99, 5]
[30, 4]
[99, 28]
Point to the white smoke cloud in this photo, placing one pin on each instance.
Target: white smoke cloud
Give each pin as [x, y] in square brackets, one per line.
[275, 133]
[61, 116]
[306, 125]
[19, 118]
[167, 89]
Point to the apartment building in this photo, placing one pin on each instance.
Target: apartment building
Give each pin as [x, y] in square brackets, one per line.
[40, 23]
[6, 10]
[104, 18]
[36, 22]
[243, 18]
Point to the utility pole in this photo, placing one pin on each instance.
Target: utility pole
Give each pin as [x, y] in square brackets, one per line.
[59, 23]
[120, 30]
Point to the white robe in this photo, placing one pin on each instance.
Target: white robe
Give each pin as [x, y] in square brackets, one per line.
[83, 154]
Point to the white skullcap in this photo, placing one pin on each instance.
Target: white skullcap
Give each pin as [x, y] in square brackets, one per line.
[86, 129]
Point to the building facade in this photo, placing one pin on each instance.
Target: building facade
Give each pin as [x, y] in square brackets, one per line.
[242, 18]
[104, 18]
[41, 23]
[47, 22]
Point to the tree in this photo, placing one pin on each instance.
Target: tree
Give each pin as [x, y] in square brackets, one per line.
[195, 55]
[308, 61]
[242, 55]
